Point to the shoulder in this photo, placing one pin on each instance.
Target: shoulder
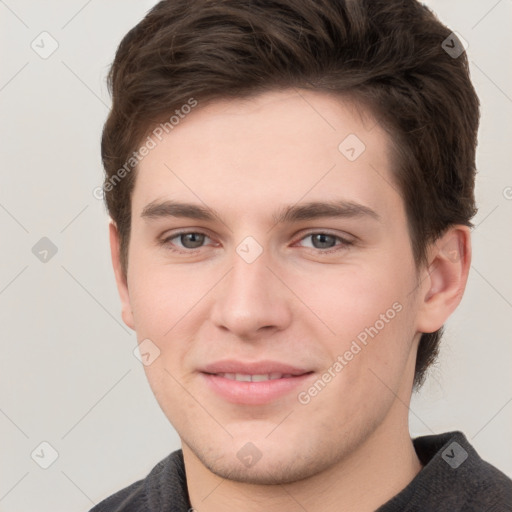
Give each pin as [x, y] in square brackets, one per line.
[164, 486]
[454, 478]
[131, 498]
[489, 489]
[474, 483]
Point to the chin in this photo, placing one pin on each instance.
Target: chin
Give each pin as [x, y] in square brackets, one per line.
[265, 463]
[269, 472]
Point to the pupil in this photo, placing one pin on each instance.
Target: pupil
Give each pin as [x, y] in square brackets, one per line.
[192, 240]
[324, 240]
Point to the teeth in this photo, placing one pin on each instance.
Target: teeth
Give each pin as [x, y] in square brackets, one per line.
[259, 378]
[243, 377]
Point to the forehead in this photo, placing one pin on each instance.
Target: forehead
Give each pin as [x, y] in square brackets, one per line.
[280, 147]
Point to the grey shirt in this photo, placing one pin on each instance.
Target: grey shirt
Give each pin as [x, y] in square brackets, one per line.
[454, 479]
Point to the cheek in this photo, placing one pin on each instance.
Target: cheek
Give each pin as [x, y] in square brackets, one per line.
[350, 300]
[158, 297]
[165, 303]
[366, 364]
[371, 318]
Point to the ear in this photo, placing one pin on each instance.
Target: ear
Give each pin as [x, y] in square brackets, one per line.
[444, 281]
[122, 284]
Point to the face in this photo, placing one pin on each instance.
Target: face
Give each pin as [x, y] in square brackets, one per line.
[271, 270]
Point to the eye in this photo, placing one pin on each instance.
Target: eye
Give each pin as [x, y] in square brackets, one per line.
[188, 240]
[322, 241]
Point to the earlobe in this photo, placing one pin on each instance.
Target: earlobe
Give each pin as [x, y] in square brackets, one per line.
[446, 278]
[121, 281]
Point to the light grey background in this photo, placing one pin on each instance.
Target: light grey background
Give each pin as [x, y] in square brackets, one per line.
[68, 374]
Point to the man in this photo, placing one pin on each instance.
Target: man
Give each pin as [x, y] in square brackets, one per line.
[291, 193]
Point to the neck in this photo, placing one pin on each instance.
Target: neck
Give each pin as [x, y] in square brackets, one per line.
[371, 475]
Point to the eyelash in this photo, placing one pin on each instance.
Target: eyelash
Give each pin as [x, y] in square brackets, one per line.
[343, 245]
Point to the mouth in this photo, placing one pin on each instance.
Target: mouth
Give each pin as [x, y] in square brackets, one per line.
[253, 383]
[262, 377]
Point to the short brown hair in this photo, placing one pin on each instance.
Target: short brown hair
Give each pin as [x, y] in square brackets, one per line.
[390, 55]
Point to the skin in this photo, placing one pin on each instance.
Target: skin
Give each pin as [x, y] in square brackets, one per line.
[349, 447]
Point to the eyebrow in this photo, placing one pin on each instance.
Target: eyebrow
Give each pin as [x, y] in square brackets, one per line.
[288, 214]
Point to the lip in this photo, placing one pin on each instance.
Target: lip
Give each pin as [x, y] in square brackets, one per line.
[253, 368]
[253, 393]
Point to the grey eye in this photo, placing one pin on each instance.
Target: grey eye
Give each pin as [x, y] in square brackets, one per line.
[192, 240]
[323, 240]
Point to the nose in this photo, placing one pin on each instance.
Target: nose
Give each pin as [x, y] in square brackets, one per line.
[251, 300]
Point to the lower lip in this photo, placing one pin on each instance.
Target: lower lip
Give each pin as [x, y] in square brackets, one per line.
[254, 393]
